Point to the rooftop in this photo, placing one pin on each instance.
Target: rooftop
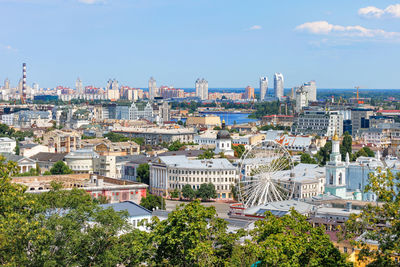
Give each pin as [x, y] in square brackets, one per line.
[133, 209]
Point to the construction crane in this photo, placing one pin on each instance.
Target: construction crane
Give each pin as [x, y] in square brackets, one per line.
[358, 96]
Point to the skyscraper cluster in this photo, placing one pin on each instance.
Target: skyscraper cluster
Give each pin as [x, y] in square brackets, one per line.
[277, 92]
[202, 89]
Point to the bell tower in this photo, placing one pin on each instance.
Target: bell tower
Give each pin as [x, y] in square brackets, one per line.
[335, 183]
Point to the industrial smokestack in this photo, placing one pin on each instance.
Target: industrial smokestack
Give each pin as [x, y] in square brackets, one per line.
[23, 82]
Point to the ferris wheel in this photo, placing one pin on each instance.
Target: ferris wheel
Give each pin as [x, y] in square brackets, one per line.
[265, 174]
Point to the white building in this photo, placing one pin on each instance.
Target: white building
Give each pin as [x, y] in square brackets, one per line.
[278, 85]
[174, 172]
[223, 143]
[320, 122]
[201, 89]
[263, 88]
[311, 89]
[302, 98]
[139, 111]
[7, 119]
[81, 161]
[7, 145]
[105, 165]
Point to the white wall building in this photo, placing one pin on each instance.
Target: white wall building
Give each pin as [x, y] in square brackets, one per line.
[201, 89]
[311, 89]
[7, 145]
[174, 172]
[278, 85]
[320, 122]
[81, 161]
[263, 88]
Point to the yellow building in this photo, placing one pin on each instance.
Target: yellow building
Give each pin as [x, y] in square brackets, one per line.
[206, 121]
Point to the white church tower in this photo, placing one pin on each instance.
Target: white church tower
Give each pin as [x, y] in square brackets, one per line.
[223, 144]
[336, 172]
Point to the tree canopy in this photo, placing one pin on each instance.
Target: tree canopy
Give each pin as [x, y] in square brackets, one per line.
[60, 168]
[143, 173]
[378, 223]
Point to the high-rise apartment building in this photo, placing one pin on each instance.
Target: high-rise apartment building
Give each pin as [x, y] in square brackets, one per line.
[202, 89]
[311, 89]
[263, 88]
[301, 99]
[79, 87]
[152, 88]
[249, 94]
[278, 85]
[6, 84]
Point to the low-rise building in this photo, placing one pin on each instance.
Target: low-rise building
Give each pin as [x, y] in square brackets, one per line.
[204, 121]
[81, 161]
[62, 141]
[24, 164]
[174, 172]
[157, 136]
[138, 216]
[282, 120]
[318, 122]
[7, 145]
[30, 149]
[46, 160]
[114, 190]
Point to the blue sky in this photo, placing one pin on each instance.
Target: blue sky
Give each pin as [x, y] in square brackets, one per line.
[340, 43]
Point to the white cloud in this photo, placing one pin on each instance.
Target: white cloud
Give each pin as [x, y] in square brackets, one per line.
[91, 2]
[8, 48]
[325, 28]
[255, 27]
[392, 11]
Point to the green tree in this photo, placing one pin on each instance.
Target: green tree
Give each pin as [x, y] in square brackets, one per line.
[175, 193]
[17, 149]
[138, 140]
[378, 224]
[63, 227]
[207, 154]
[346, 146]
[324, 153]
[116, 137]
[175, 146]
[238, 150]
[152, 202]
[206, 191]
[288, 241]
[60, 168]
[192, 235]
[306, 158]
[369, 152]
[143, 173]
[188, 192]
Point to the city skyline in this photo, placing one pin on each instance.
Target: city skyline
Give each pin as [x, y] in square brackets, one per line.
[132, 41]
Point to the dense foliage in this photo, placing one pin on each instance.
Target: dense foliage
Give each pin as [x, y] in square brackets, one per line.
[68, 228]
[207, 154]
[306, 158]
[265, 108]
[238, 150]
[6, 131]
[378, 224]
[143, 173]
[152, 202]
[60, 168]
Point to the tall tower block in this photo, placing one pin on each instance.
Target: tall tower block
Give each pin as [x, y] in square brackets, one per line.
[23, 96]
